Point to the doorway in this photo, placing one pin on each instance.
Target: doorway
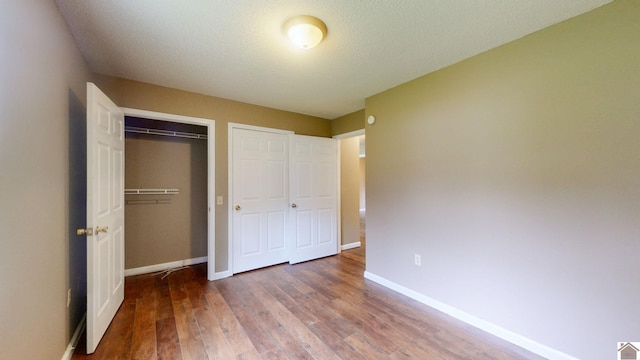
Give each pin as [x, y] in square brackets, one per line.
[352, 188]
[195, 139]
[165, 195]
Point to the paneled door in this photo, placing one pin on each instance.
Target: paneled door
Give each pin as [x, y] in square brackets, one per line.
[260, 206]
[313, 195]
[105, 213]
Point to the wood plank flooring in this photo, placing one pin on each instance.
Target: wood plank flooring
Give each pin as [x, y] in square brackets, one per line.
[322, 309]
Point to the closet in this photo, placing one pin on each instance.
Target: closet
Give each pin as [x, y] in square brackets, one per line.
[165, 193]
[284, 198]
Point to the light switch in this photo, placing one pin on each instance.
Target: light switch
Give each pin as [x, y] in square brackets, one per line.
[219, 200]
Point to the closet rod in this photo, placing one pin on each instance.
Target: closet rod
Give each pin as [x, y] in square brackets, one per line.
[151, 191]
[138, 130]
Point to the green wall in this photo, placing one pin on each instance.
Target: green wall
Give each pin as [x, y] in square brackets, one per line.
[516, 175]
[348, 123]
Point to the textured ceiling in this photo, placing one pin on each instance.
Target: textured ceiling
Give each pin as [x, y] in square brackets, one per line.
[236, 49]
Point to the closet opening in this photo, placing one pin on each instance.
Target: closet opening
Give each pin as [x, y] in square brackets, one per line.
[169, 185]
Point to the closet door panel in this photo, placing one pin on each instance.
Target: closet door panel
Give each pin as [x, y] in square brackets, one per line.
[250, 234]
[276, 228]
[259, 199]
[313, 195]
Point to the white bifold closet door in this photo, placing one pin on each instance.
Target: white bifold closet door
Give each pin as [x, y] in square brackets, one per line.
[284, 198]
[260, 199]
[313, 195]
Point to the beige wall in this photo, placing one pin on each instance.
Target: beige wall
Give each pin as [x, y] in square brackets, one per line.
[165, 228]
[42, 172]
[350, 189]
[137, 95]
[520, 164]
[516, 175]
[348, 123]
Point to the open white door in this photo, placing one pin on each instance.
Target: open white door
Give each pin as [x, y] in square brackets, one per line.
[313, 194]
[105, 213]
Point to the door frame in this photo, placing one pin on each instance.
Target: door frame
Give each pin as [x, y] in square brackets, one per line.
[340, 137]
[210, 124]
[232, 126]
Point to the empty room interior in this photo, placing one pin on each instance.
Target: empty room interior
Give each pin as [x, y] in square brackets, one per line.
[418, 179]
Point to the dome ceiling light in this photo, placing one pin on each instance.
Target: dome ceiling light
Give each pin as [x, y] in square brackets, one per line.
[305, 31]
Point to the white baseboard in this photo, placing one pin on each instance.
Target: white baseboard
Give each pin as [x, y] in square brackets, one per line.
[75, 338]
[352, 245]
[165, 266]
[222, 275]
[523, 342]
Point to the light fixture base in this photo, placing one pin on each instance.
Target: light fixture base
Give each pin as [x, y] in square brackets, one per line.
[305, 31]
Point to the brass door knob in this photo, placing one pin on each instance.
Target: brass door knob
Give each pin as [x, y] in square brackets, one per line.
[238, 207]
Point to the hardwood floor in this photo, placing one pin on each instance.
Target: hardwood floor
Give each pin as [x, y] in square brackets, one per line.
[322, 309]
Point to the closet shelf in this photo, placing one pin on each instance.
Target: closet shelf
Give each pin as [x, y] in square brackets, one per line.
[151, 191]
[138, 130]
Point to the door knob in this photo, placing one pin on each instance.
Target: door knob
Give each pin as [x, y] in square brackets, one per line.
[238, 207]
[294, 205]
[104, 229]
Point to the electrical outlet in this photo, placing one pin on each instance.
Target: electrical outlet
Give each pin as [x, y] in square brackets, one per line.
[418, 259]
[69, 297]
[219, 200]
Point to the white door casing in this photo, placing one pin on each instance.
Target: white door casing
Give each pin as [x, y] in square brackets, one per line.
[313, 185]
[105, 213]
[259, 198]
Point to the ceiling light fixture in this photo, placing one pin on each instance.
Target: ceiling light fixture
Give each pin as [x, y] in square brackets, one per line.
[305, 31]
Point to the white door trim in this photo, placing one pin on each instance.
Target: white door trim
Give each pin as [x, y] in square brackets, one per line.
[349, 134]
[232, 126]
[339, 212]
[338, 189]
[258, 128]
[211, 172]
